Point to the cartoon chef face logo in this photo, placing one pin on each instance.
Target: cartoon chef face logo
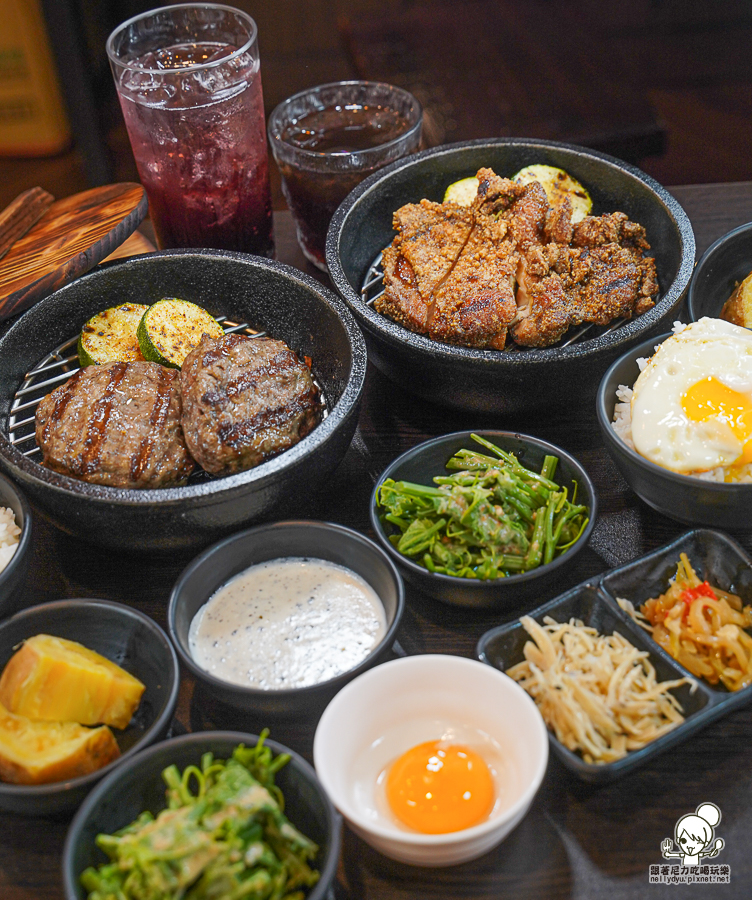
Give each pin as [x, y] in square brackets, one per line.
[694, 835]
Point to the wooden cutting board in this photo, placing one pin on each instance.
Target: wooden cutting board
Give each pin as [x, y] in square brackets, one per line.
[71, 237]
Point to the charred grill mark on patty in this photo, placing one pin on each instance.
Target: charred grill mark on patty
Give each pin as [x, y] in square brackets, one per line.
[62, 399]
[245, 400]
[118, 425]
[157, 421]
[251, 379]
[238, 435]
[89, 461]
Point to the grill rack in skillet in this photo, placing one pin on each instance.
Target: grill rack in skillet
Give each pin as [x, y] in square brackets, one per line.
[57, 367]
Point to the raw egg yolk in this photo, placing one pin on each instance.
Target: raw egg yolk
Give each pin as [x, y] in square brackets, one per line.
[435, 788]
[710, 399]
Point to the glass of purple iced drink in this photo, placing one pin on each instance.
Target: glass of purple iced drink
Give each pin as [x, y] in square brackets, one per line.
[189, 86]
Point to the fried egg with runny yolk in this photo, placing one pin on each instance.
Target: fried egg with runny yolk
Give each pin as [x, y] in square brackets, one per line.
[692, 404]
[437, 787]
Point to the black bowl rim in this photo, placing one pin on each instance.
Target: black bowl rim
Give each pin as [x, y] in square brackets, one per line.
[397, 336]
[616, 446]
[329, 869]
[263, 474]
[237, 690]
[727, 238]
[473, 584]
[33, 791]
[24, 539]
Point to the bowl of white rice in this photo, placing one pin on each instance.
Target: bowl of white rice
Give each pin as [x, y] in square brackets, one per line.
[15, 540]
[720, 496]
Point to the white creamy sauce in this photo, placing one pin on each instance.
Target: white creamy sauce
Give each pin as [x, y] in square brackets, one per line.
[287, 623]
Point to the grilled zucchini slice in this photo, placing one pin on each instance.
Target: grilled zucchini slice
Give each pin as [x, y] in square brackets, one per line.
[462, 192]
[171, 328]
[558, 185]
[110, 336]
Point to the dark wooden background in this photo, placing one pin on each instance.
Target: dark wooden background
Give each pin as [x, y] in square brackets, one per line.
[666, 84]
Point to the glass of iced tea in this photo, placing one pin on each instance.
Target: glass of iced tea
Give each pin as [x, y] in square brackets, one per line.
[189, 85]
[326, 140]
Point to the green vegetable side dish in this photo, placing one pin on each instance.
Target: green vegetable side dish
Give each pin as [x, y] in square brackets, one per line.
[490, 519]
[223, 835]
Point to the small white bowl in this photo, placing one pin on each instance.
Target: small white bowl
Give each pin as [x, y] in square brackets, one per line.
[391, 708]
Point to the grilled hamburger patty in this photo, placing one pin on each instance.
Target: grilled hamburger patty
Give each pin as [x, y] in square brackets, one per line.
[117, 424]
[244, 400]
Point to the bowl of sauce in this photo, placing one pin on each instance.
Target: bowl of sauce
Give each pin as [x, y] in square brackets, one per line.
[276, 619]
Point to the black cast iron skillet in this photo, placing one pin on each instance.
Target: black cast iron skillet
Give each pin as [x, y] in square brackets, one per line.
[492, 380]
[267, 295]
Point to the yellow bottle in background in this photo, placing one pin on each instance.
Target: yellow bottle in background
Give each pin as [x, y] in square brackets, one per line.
[32, 115]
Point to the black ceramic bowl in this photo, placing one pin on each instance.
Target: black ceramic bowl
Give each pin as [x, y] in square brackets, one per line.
[723, 265]
[14, 573]
[423, 462]
[318, 540]
[716, 558]
[490, 380]
[267, 295]
[138, 785]
[685, 498]
[130, 639]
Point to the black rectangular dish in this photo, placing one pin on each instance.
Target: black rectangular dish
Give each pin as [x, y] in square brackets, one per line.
[716, 558]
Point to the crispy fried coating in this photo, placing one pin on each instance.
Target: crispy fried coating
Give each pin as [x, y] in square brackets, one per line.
[543, 308]
[603, 283]
[430, 238]
[475, 303]
[522, 206]
[511, 262]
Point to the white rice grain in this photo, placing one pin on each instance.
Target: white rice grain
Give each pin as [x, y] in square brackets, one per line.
[622, 423]
[9, 536]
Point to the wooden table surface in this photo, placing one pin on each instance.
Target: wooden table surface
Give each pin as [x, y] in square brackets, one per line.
[578, 841]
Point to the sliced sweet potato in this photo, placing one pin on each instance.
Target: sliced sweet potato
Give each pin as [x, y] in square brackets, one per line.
[34, 752]
[738, 308]
[58, 680]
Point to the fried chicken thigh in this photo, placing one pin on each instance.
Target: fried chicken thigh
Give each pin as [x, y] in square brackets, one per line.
[510, 261]
[449, 274]
[543, 308]
[430, 238]
[475, 303]
[522, 206]
[600, 276]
